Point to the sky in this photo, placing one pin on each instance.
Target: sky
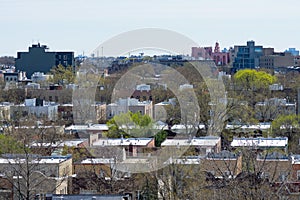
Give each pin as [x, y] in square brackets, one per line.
[81, 25]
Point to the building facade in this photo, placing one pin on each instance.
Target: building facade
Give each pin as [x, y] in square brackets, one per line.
[39, 59]
[247, 57]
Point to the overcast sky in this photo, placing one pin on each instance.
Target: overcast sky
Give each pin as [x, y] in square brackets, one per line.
[81, 25]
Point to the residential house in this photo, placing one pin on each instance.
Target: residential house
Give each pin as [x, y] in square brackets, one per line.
[35, 107]
[223, 164]
[129, 104]
[261, 143]
[272, 108]
[39, 175]
[92, 132]
[133, 146]
[201, 145]
[274, 166]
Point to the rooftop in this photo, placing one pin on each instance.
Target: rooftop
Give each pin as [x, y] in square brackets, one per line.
[260, 142]
[123, 142]
[14, 159]
[97, 161]
[200, 141]
[87, 127]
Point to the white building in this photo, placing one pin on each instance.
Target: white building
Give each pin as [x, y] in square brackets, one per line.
[129, 104]
[40, 76]
[35, 107]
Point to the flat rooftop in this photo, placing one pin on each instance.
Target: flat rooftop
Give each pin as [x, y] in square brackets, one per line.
[123, 142]
[260, 142]
[200, 141]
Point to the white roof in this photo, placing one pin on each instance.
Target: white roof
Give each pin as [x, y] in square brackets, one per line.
[295, 159]
[253, 126]
[98, 161]
[184, 161]
[201, 141]
[92, 127]
[122, 142]
[36, 161]
[183, 127]
[260, 142]
[68, 143]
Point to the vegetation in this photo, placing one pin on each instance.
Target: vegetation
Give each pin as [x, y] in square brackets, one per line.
[130, 125]
[250, 79]
[62, 75]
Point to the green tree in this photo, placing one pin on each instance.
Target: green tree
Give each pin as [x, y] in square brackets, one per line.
[10, 145]
[250, 79]
[129, 125]
[285, 125]
[62, 74]
[160, 137]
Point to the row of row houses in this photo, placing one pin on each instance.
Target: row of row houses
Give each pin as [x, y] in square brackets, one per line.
[59, 175]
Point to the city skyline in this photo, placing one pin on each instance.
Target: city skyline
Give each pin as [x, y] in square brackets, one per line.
[81, 26]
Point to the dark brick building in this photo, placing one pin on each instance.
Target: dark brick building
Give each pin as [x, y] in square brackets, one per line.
[39, 59]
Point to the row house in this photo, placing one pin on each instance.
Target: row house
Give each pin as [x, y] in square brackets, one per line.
[261, 143]
[199, 145]
[132, 146]
[65, 112]
[35, 107]
[129, 104]
[272, 108]
[91, 132]
[38, 175]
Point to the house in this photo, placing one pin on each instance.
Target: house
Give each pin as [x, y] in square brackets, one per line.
[272, 108]
[52, 94]
[93, 132]
[295, 174]
[202, 145]
[274, 166]
[65, 112]
[224, 164]
[38, 108]
[129, 104]
[57, 147]
[39, 175]
[133, 146]
[261, 143]
[102, 167]
[142, 93]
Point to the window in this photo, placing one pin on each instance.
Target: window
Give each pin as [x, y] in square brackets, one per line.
[283, 176]
[298, 175]
[265, 175]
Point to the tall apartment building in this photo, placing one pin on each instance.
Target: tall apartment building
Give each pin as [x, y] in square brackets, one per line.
[247, 57]
[39, 59]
